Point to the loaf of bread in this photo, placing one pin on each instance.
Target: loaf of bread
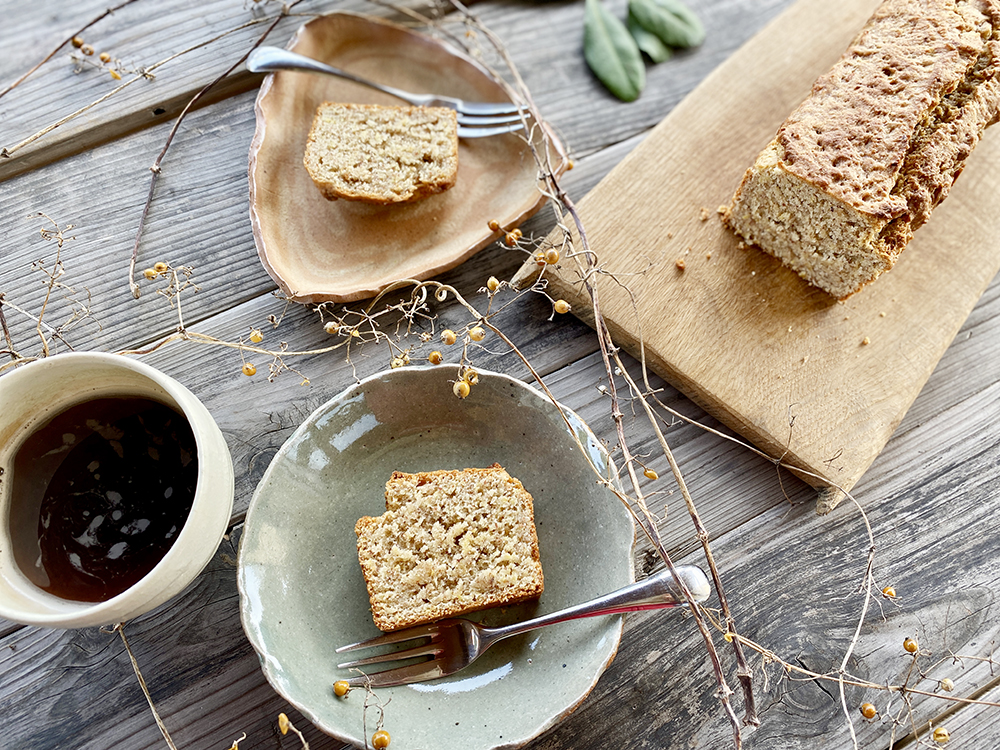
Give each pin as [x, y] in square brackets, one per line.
[450, 542]
[375, 154]
[877, 144]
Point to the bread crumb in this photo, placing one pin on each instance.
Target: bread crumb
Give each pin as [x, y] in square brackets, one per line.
[680, 264]
[881, 314]
[670, 235]
[704, 213]
[708, 256]
[865, 341]
[742, 245]
[722, 210]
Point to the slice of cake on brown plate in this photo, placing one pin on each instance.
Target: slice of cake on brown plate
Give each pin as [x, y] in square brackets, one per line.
[376, 154]
[878, 143]
[449, 543]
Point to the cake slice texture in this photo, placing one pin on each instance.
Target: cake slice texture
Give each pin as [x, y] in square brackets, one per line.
[879, 142]
[449, 543]
[377, 154]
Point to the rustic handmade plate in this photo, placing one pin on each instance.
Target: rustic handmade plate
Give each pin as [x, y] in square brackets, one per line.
[301, 589]
[319, 250]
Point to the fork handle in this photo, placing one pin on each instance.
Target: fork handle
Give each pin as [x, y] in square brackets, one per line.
[272, 59]
[656, 592]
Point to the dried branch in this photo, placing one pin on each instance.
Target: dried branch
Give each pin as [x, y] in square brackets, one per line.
[608, 350]
[6, 332]
[62, 44]
[120, 628]
[155, 169]
[744, 672]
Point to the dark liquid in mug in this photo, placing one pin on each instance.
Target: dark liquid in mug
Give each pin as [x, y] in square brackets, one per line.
[109, 484]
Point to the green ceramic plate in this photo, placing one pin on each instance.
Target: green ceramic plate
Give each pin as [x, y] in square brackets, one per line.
[301, 589]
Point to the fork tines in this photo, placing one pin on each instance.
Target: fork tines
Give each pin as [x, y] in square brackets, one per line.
[429, 647]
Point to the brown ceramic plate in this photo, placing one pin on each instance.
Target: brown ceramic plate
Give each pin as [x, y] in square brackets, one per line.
[319, 250]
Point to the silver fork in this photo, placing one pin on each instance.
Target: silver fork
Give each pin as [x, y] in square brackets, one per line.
[475, 119]
[455, 643]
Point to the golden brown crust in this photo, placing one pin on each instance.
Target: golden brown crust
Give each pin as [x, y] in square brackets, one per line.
[884, 134]
[450, 542]
[852, 134]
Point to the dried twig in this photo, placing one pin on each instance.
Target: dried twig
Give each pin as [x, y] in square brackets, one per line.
[120, 628]
[6, 332]
[608, 351]
[156, 169]
[62, 44]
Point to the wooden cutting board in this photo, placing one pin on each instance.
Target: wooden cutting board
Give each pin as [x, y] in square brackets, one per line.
[823, 383]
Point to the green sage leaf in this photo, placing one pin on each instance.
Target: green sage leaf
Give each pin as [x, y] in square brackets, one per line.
[648, 42]
[611, 52]
[670, 20]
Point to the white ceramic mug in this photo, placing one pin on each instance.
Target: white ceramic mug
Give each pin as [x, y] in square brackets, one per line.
[33, 394]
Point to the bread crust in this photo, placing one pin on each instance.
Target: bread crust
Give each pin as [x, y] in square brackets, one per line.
[879, 142]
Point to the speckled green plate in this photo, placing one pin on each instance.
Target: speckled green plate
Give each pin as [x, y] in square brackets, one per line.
[301, 589]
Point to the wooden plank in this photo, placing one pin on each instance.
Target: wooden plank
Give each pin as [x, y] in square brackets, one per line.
[140, 39]
[930, 493]
[77, 689]
[974, 726]
[737, 332]
[793, 596]
[583, 112]
[788, 592]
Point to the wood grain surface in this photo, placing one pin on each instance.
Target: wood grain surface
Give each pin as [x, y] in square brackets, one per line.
[820, 382]
[930, 497]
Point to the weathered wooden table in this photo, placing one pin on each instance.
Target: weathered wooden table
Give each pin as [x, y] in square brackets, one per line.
[793, 578]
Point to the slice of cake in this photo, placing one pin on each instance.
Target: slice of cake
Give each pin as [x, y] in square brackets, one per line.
[375, 154]
[863, 161]
[450, 542]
